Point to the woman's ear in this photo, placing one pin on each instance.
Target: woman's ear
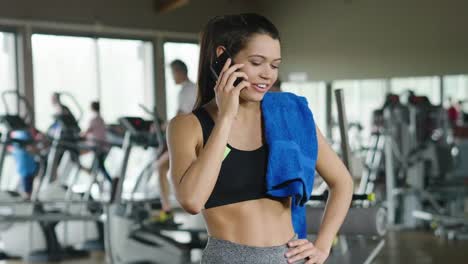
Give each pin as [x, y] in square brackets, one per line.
[220, 50]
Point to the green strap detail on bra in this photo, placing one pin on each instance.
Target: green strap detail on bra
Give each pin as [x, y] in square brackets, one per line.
[226, 152]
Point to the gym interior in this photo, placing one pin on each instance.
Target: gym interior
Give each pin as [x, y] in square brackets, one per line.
[386, 81]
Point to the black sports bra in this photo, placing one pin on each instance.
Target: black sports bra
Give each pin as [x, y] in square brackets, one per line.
[242, 173]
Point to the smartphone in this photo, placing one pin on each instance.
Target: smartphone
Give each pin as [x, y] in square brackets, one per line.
[217, 66]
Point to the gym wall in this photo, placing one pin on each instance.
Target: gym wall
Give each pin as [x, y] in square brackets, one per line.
[358, 39]
[139, 14]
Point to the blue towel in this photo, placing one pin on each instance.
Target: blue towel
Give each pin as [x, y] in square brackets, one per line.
[292, 141]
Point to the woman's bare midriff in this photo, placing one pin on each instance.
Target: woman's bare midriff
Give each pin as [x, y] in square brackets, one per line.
[259, 223]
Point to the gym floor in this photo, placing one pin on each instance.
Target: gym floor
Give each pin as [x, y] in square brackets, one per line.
[420, 248]
[400, 247]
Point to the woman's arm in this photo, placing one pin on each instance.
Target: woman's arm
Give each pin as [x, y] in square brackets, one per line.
[340, 182]
[341, 187]
[194, 177]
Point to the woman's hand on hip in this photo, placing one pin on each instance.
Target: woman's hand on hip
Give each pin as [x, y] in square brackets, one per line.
[303, 249]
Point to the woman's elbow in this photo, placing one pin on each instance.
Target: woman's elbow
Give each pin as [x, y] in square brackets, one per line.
[348, 183]
[344, 185]
[343, 189]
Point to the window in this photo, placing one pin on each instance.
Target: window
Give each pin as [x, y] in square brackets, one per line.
[361, 98]
[456, 88]
[8, 79]
[126, 77]
[427, 86]
[117, 72]
[315, 94]
[189, 54]
[63, 64]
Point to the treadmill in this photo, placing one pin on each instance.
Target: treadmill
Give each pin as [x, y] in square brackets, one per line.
[130, 238]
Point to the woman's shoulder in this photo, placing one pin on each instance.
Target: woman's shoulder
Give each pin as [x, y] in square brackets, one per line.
[191, 121]
[183, 122]
[185, 128]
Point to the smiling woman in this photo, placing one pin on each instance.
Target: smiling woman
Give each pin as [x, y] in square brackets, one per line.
[219, 154]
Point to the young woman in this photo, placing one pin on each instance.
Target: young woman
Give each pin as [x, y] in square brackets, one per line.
[245, 225]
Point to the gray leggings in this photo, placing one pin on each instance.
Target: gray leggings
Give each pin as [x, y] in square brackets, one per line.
[220, 251]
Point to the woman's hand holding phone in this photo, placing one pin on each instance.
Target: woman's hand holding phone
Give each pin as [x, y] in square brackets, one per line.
[227, 95]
